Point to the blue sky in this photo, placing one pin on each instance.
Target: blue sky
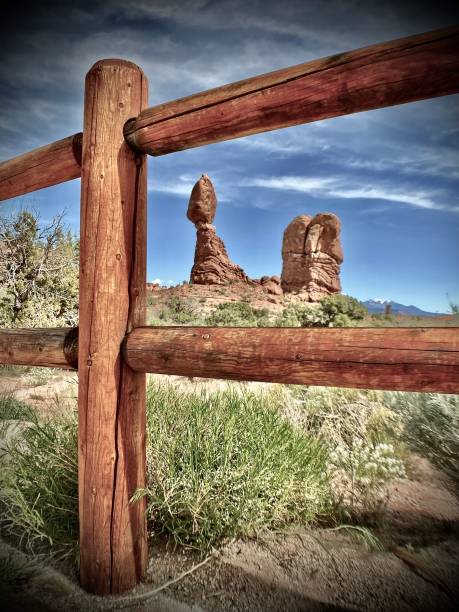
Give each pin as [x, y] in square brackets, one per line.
[391, 175]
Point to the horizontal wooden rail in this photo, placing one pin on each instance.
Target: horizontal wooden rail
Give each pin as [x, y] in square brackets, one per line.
[51, 347]
[406, 359]
[403, 70]
[43, 167]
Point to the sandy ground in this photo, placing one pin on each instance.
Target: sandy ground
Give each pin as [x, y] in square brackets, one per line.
[303, 570]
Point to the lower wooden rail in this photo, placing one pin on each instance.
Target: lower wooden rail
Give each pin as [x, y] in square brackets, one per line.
[405, 359]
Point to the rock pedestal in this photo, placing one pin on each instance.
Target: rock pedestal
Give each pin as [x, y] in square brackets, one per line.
[212, 266]
[312, 254]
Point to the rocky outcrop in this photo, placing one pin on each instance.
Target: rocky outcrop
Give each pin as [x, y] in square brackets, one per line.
[272, 284]
[212, 266]
[312, 254]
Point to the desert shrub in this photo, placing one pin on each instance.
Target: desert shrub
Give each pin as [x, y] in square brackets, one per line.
[301, 315]
[38, 272]
[219, 465]
[336, 306]
[178, 310]
[335, 310]
[431, 426]
[363, 438]
[238, 314]
[226, 464]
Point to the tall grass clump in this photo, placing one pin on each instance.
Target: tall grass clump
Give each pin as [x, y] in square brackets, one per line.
[431, 426]
[227, 464]
[39, 486]
[12, 408]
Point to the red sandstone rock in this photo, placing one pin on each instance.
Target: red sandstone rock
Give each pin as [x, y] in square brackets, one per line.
[212, 266]
[271, 284]
[312, 254]
[203, 201]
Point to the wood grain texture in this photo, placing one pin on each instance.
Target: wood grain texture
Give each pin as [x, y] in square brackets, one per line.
[43, 167]
[50, 347]
[113, 540]
[396, 72]
[405, 359]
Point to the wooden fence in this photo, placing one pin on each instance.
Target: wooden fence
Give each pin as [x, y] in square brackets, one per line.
[113, 348]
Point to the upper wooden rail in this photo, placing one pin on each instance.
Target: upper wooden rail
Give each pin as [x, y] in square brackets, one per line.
[404, 359]
[403, 70]
[43, 167]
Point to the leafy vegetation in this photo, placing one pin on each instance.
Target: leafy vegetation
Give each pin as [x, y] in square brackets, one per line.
[238, 314]
[335, 310]
[38, 272]
[363, 436]
[178, 311]
[431, 426]
[39, 486]
[12, 408]
[230, 463]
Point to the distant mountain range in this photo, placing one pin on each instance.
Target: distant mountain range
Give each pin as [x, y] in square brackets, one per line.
[378, 307]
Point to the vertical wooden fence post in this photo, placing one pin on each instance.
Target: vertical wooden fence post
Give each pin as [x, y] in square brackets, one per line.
[111, 396]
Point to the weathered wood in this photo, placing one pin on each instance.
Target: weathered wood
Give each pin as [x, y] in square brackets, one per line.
[43, 167]
[395, 72]
[406, 359]
[112, 429]
[50, 347]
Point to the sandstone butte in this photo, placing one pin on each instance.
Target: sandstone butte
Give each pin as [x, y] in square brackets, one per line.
[311, 255]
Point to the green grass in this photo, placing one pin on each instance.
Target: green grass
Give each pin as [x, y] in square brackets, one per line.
[234, 462]
[228, 464]
[39, 487]
[431, 427]
[12, 408]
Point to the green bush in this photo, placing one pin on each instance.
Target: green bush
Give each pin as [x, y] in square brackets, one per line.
[38, 272]
[302, 315]
[238, 314]
[333, 311]
[337, 305]
[178, 310]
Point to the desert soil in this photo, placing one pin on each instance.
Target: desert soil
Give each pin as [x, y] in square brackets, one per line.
[304, 569]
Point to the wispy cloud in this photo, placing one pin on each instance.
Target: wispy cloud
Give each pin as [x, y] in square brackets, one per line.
[179, 189]
[342, 187]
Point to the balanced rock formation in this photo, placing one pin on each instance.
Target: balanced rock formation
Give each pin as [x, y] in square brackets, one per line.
[312, 254]
[212, 266]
